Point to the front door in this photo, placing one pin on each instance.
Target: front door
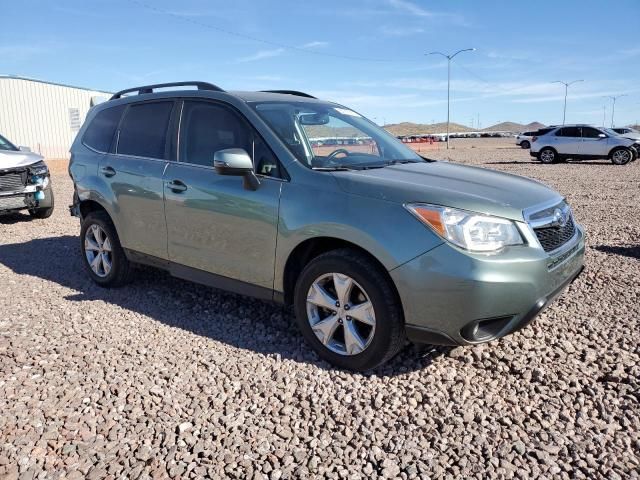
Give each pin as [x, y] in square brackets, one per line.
[135, 176]
[592, 143]
[214, 224]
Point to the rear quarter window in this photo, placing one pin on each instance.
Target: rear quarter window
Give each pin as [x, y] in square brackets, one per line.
[100, 132]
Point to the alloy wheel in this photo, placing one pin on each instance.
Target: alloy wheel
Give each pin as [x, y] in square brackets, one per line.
[341, 314]
[621, 157]
[97, 249]
[547, 156]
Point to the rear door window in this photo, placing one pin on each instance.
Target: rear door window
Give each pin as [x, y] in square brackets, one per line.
[569, 132]
[143, 132]
[100, 132]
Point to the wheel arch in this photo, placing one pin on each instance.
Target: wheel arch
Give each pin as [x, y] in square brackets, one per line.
[311, 248]
[93, 204]
[619, 147]
[90, 205]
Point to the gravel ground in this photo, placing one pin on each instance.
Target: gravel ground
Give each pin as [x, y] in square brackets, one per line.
[165, 378]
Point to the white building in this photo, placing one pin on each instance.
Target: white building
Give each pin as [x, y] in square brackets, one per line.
[42, 115]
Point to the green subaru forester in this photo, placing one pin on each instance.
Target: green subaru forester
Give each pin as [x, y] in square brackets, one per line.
[284, 197]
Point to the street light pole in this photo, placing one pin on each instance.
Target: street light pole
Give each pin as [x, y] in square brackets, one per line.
[613, 107]
[449, 58]
[566, 89]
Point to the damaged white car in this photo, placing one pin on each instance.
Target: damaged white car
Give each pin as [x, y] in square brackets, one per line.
[24, 181]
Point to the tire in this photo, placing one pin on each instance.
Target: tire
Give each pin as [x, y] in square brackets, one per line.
[548, 155]
[43, 213]
[621, 156]
[525, 144]
[119, 271]
[381, 336]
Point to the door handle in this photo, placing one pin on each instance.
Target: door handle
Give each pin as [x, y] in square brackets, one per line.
[108, 171]
[176, 186]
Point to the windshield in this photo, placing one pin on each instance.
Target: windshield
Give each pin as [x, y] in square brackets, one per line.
[7, 145]
[328, 136]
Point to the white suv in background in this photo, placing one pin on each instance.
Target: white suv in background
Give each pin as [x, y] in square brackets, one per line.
[583, 142]
[525, 139]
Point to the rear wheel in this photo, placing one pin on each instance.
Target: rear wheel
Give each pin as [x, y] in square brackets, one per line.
[621, 156]
[548, 155]
[525, 144]
[102, 254]
[348, 311]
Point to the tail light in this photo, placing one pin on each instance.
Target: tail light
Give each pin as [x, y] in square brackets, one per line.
[533, 139]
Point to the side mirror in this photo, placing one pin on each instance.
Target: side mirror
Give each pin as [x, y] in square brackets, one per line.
[602, 135]
[24, 149]
[237, 162]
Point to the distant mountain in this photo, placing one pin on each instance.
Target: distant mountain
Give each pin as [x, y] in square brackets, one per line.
[513, 127]
[409, 128]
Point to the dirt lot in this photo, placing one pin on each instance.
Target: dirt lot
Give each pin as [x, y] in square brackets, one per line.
[169, 379]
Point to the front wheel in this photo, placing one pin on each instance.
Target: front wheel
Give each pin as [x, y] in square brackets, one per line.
[525, 144]
[548, 155]
[348, 310]
[621, 156]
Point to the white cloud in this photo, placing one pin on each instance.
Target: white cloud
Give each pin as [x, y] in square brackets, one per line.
[410, 8]
[315, 44]
[400, 31]
[261, 55]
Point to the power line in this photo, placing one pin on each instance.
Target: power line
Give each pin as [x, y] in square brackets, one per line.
[262, 40]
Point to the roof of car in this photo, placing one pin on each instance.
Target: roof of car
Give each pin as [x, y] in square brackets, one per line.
[206, 88]
[272, 96]
[576, 125]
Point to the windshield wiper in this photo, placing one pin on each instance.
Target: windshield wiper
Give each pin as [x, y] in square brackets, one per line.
[398, 162]
[332, 169]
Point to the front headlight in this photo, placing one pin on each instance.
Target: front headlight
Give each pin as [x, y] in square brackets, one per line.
[38, 169]
[469, 230]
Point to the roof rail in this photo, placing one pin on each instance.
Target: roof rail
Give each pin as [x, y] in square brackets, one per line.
[150, 88]
[289, 92]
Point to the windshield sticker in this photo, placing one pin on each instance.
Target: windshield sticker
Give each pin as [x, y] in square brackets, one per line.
[346, 111]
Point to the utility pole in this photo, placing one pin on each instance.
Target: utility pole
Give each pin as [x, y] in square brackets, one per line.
[613, 106]
[449, 58]
[604, 116]
[566, 88]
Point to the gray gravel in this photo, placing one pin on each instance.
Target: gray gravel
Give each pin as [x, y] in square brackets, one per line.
[169, 379]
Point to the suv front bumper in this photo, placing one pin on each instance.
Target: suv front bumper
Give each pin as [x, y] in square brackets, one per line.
[28, 197]
[452, 297]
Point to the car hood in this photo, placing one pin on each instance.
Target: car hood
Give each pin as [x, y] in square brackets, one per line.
[631, 136]
[452, 185]
[13, 159]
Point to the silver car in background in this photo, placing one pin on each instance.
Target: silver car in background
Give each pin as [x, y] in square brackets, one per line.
[583, 142]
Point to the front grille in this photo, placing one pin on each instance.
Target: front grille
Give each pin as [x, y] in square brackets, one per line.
[554, 237]
[12, 181]
[12, 203]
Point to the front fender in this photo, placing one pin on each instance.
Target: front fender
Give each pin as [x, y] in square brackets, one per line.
[384, 229]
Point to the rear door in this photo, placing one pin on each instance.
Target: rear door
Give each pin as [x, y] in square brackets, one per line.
[592, 143]
[215, 225]
[134, 172]
[567, 140]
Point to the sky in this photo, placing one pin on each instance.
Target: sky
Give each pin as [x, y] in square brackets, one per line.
[366, 54]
